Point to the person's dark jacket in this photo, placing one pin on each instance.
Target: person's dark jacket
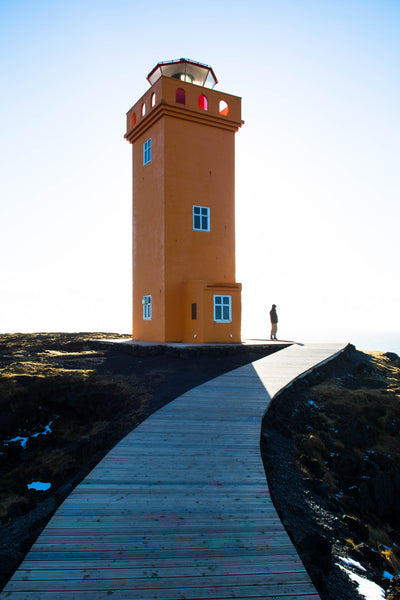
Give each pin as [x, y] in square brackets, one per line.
[273, 315]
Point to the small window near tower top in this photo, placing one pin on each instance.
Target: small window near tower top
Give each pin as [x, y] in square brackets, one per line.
[133, 119]
[153, 100]
[203, 102]
[180, 96]
[143, 110]
[223, 108]
[147, 152]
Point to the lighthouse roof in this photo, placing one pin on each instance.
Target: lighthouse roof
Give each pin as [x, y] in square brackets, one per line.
[184, 70]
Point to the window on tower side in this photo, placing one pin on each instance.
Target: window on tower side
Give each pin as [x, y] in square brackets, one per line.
[180, 96]
[223, 309]
[201, 218]
[147, 151]
[146, 302]
[203, 102]
[223, 108]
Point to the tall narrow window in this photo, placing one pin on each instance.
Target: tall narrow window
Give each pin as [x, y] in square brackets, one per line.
[201, 218]
[203, 102]
[146, 302]
[143, 109]
[180, 96]
[147, 151]
[223, 108]
[133, 119]
[153, 100]
[223, 309]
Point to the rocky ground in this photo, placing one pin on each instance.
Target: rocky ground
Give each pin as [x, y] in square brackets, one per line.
[331, 450]
[65, 401]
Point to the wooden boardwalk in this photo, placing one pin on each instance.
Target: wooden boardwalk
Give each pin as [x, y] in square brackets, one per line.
[180, 508]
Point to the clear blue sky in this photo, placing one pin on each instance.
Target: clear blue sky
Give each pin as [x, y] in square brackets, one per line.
[317, 161]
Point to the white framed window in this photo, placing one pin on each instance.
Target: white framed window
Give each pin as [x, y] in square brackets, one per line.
[201, 218]
[147, 151]
[146, 301]
[223, 309]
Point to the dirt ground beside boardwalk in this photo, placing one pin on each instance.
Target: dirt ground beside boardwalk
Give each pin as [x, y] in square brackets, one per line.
[331, 450]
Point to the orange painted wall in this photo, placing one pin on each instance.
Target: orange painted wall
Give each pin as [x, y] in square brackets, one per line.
[204, 329]
[192, 164]
[223, 332]
[200, 165]
[148, 236]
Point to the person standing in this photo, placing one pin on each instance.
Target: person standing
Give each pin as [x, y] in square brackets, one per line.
[274, 322]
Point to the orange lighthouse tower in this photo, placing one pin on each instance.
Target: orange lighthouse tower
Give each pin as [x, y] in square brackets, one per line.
[182, 135]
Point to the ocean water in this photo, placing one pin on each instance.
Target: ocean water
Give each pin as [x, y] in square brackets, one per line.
[381, 341]
[384, 342]
[362, 340]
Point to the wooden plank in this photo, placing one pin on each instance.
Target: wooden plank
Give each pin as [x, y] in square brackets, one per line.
[273, 581]
[188, 529]
[132, 572]
[268, 551]
[268, 554]
[240, 563]
[202, 593]
[188, 545]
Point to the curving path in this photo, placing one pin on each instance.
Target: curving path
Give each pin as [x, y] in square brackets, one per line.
[180, 508]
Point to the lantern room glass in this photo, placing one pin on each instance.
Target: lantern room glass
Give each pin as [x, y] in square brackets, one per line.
[184, 70]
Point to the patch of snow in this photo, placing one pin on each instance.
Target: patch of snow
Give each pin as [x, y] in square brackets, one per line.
[312, 403]
[39, 485]
[387, 575]
[47, 429]
[366, 588]
[352, 563]
[22, 440]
